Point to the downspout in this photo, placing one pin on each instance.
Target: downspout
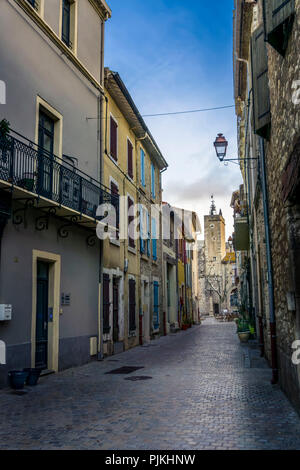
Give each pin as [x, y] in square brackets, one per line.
[269, 264]
[101, 153]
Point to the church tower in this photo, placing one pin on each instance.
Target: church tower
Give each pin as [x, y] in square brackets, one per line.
[214, 236]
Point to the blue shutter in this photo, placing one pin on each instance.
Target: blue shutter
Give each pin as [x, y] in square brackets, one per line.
[141, 231]
[154, 241]
[152, 180]
[156, 305]
[143, 167]
[148, 234]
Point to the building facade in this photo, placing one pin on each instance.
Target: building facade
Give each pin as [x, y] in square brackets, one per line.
[50, 157]
[267, 107]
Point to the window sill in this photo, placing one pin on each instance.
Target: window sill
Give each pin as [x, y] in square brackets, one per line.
[144, 257]
[132, 250]
[115, 242]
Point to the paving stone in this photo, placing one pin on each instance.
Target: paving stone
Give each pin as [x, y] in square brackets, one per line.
[203, 395]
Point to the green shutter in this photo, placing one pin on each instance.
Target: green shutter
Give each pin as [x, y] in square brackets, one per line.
[279, 17]
[260, 79]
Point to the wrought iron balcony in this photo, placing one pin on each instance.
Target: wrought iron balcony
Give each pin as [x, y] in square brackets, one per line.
[25, 165]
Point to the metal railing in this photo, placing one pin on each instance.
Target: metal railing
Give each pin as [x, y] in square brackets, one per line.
[28, 166]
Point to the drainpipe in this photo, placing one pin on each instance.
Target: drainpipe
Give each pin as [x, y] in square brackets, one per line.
[269, 264]
[101, 152]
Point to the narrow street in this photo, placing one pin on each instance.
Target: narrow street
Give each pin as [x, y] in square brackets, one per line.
[206, 392]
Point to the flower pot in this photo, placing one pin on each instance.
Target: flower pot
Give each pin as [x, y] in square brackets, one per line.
[17, 379]
[33, 376]
[244, 336]
[184, 327]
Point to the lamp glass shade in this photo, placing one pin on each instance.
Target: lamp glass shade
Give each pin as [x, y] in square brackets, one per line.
[221, 145]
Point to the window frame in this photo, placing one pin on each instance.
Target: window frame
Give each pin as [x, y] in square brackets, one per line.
[113, 119]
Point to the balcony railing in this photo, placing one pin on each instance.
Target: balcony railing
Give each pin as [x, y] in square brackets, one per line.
[27, 166]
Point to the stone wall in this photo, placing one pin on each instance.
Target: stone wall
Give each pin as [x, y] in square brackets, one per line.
[285, 133]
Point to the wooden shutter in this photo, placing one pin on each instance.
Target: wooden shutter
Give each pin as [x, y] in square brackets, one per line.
[142, 242]
[260, 79]
[154, 240]
[113, 138]
[130, 158]
[132, 324]
[152, 180]
[279, 17]
[143, 167]
[106, 303]
[156, 305]
[115, 202]
[130, 220]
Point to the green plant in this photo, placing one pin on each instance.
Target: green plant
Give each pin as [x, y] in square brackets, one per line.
[243, 326]
[4, 128]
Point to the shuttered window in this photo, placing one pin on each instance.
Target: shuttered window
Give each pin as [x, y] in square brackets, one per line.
[148, 234]
[142, 241]
[261, 92]
[132, 324]
[130, 158]
[106, 303]
[279, 18]
[113, 139]
[115, 202]
[154, 240]
[143, 181]
[131, 241]
[152, 180]
[155, 305]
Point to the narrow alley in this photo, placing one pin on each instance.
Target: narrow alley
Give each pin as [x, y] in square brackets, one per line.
[200, 389]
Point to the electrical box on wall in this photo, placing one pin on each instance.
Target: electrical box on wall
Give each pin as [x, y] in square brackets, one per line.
[5, 312]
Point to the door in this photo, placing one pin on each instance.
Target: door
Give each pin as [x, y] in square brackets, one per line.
[116, 310]
[46, 146]
[41, 350]
[216, 309]
[145, 307]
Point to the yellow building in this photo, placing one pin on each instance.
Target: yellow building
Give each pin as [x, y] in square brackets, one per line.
[132, 255]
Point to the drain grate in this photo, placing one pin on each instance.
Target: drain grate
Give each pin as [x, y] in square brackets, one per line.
[124, 370]
[138, 377]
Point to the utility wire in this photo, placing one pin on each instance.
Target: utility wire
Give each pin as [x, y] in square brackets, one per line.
[178, 112]
[189, 112]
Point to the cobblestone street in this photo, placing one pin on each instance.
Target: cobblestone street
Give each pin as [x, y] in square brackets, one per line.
[206, 392]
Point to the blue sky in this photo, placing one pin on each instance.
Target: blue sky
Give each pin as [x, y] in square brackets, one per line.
[175, 56]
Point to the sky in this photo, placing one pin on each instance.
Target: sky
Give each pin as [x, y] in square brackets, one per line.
[175, 55]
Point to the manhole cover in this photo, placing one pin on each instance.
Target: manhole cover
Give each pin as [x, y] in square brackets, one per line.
[124, 370]
[138, 377]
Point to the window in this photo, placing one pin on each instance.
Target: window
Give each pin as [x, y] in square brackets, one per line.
[130, 158]
[113, 139]
[155, 305]
[154, 240]
[106, 303]
[152, 180]
[148, 234]
[132, 323]
[66, 23]
[279, 17]
[143, 181]
[130, 205]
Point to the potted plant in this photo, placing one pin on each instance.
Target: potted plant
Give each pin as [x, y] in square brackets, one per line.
[243, 330]
[17, 379]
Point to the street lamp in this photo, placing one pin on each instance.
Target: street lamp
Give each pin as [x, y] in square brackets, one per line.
[221, 145]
